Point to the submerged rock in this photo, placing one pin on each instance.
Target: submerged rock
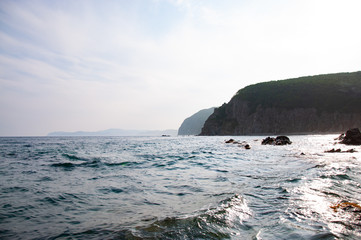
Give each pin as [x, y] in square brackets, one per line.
[347, 206]
[280, 140]
[339, 151]
[352, 137]
[351, 150]
[268, 140]
[241, 144]
[231, 141]
[333, 150]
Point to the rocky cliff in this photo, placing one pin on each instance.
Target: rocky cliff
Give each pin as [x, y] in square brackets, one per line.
[317, 104]
[193, 125]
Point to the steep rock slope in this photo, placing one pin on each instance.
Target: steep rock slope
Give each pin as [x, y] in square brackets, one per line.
[316, 104]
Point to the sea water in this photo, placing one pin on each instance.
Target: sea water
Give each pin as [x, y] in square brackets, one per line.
[178, 188]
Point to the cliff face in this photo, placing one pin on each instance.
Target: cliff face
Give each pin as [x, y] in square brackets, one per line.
[318, 104]
[193, 125]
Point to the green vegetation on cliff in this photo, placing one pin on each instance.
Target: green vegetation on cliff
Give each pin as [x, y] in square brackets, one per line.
[329, 92]
[314, 104]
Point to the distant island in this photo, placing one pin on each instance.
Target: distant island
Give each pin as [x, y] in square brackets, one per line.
[193, 124]
[329, 103]
[118, 132]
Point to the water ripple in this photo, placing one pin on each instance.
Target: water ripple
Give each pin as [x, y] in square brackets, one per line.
[177, 188]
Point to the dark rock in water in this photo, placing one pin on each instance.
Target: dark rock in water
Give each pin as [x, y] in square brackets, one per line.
[352, 137]
[351, 150]
[241, 144]
[339, 151]
[341, 137]
[280, 140]
[268, 140]
[333, 150]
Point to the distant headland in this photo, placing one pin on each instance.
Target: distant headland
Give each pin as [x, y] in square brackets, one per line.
[329, 103]
[118, 132]
[193, 124]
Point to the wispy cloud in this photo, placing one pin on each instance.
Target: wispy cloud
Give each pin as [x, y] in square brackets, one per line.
[90, 65]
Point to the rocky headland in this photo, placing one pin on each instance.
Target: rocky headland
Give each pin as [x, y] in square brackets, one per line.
[327, 103]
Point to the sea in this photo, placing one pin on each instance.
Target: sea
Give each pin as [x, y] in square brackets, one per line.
[193, 187]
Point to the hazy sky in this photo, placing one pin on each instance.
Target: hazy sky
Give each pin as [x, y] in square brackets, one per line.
[148, 64]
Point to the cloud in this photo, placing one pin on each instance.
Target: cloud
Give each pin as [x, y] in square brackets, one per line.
[91, 65]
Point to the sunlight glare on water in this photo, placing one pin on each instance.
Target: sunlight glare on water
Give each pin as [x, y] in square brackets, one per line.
[330, 185]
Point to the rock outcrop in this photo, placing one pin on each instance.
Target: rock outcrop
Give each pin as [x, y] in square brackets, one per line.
[280, 140]
[352, 137]
[318, 104]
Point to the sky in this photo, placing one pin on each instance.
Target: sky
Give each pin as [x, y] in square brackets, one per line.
[91, 65]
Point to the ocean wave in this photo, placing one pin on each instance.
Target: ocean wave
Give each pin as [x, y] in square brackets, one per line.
[181, 188]
[73, 157]
[93, 163]
[107, 190]
[65, 165]
[223, 221]
[122, 164]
